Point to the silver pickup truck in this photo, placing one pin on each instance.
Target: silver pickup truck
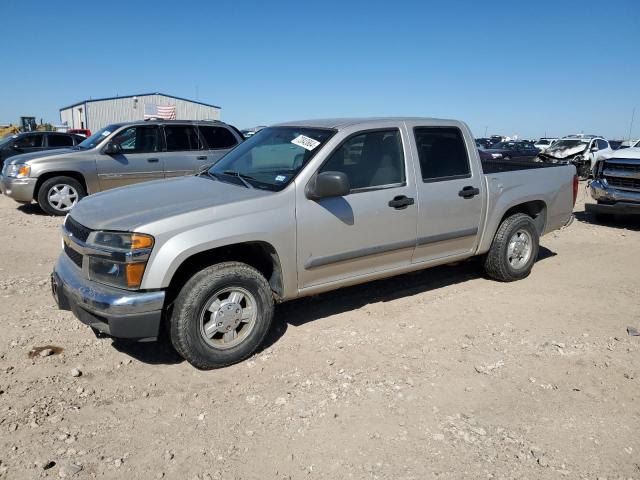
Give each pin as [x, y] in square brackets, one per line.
[117, 155]
[298, 209]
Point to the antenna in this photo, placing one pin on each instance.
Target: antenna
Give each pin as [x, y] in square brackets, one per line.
[633, 114]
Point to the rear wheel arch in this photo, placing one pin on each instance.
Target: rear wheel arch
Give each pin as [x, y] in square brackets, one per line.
[259, 254]
[536, 209]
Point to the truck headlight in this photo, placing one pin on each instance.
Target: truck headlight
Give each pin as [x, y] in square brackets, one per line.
[120, 259]
[18, 170]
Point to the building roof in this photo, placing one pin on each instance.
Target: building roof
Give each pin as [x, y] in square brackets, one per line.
[137, 95]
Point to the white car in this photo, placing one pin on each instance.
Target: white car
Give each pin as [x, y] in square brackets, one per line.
[544, 143]
[583, 151]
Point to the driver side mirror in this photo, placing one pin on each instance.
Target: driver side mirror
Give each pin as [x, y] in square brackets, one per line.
[328, 184]
[111, 149]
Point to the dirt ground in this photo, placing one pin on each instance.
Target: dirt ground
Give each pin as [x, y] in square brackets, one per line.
[439, 374]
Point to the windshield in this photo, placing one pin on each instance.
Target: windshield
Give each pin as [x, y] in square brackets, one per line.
[543, 142]
[98, 137]
[272, 157]
[560, 144]
[5, 140]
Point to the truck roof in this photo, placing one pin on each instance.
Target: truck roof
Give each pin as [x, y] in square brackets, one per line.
[339, 123]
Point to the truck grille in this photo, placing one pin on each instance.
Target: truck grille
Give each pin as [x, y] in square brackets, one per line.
[76, 257]
[622, 173]
[78, 231]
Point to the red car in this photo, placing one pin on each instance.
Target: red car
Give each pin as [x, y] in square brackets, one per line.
[80, 131]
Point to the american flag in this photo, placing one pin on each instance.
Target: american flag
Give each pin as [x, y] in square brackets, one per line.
[167, 112]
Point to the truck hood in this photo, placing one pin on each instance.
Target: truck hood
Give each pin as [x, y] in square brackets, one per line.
[564, 152]
[127, 208]
[32, 157]
[633, 152]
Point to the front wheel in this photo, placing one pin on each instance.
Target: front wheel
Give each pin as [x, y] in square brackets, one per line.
[58, 195]
[514, 249]
[221, 315]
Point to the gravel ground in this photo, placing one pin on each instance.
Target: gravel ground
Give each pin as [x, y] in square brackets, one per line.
[438, 374]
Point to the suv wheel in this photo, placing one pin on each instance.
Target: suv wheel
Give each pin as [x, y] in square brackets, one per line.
[514, 249]
[221, 315]
[58, 195]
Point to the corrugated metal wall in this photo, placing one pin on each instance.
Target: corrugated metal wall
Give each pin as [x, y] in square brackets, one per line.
[104, 112]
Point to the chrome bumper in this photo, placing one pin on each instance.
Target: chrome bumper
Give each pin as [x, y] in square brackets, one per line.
[612, 200]
[111, 311]
[20, 189]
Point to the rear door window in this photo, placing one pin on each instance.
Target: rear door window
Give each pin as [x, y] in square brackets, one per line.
[442, 153]
[182, 138]
[217, 137]
[57, 140]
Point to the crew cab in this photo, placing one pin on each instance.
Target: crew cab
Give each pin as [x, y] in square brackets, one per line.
[298, 209]
[117, 155]
[616, 184]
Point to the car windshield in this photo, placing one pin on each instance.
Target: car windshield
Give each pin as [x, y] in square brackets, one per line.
[560, 144]
[543, 142]
[272, 157]
[5, 140]
[98, 137]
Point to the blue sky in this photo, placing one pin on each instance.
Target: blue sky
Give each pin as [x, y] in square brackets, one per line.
[515, 67]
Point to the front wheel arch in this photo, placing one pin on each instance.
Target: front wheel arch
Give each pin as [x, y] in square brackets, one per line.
[46, 176]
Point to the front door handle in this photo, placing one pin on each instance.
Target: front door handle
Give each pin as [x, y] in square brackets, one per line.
[202, 157]
[401, 202]
[469, 192]
[152, 160]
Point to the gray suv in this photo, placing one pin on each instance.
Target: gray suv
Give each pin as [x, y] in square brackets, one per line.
[119, 154]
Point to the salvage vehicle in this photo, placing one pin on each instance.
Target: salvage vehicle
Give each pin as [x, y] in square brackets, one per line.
[513, 149]
[580, 150]
[298, 209]
[616, 184]
[29, 142]
[117, 155]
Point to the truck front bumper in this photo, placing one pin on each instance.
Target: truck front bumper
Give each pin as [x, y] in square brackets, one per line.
[110, 311]
[20, 189]
[612, 200]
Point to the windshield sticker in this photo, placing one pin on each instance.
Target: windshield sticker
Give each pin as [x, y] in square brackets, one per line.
[106, 133]
[280, 178]
[305, 142]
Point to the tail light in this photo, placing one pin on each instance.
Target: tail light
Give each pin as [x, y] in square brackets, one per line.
[575, 189]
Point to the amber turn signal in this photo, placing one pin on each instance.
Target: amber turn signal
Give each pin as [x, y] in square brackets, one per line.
[134, 273]
[138, 240]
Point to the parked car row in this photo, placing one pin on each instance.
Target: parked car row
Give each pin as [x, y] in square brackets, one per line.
[33, 142]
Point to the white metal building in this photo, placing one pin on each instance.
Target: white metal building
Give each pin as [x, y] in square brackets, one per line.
[95, 114]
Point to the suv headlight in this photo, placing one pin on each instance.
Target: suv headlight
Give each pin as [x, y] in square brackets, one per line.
[18, 170]
[119, 259]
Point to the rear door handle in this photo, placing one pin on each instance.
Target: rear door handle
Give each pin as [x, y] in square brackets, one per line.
[469, 192]
[152, 160]
[401, 202]
[202, 157]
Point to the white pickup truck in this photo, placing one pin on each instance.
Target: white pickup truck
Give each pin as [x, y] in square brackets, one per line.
[297, 209]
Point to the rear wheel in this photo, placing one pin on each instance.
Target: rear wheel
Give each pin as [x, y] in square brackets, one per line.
[58, 195]
[221, 315]
[514, 249]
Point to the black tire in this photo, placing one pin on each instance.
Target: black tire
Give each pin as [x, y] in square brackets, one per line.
[47, 185]
[190, 304]
[496, 262]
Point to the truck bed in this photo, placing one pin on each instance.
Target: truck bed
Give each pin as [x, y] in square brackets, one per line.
[497, 166]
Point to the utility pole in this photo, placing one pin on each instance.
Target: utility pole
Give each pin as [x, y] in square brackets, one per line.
[633, 114]
[485, 131]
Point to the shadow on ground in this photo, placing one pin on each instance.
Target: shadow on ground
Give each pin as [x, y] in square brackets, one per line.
[624, 222]
[309, 309]
[32, 209]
